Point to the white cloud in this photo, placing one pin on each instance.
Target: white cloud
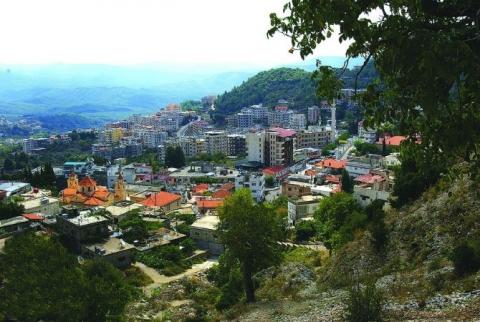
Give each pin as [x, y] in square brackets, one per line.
[144, 31]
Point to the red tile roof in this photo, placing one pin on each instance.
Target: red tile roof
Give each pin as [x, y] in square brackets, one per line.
[69, 192]
[394, 140]
[332, 179]
[209, 204]
[33, 217]
[221, 194]
[201, 187]
[93, 202]
[369, 178]
[310, 172]
[228, 186]
[332, 163]
[87, 182]
[273, 170]
[160, 199]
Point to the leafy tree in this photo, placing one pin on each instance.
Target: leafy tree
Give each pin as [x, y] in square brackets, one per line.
[249, 232]
[9, 209]
[337, 218]
[366, 148]
[269, 181]
[347, 182]
[436, 94]
[174, 157]
[376, 223]
[8, 165]
[106, 293]
[304, 230]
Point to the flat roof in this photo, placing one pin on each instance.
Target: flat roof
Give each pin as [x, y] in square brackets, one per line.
[13, 221]
[110, 246]
[207, 222]
[83, 220]
[37, 202]
[117, 210]
[13, 186]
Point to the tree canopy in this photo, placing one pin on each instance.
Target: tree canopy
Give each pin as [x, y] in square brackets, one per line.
[427, 54]
[174, 157]
[42, 281]
[249, 232]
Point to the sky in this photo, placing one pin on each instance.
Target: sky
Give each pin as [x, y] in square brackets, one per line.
[122, 32]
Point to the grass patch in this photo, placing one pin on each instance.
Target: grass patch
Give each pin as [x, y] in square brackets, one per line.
[135, 277]
[308, 257]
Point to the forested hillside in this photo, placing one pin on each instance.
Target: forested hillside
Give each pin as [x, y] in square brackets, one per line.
[293, 84]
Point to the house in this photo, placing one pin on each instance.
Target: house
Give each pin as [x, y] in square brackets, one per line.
[162, 200]
[371, 187]
[204, 232]
[14, 188]
[47, 206]
[83, 228]
[119, 211]
[221, 194]
[332, 164]
[392, 140]
[113, 250]
[277, 172]
[200, 188]
[14, 225]
[302, 207]
[209, 205]
[295, 189]
[253, 181]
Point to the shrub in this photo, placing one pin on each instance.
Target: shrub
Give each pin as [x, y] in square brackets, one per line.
[364, 304]
[304, 230]
[466, 257]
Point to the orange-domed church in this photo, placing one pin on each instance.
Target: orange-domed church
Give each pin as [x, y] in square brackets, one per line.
[86, 192]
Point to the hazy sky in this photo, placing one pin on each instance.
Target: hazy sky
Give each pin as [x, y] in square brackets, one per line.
[144, 31]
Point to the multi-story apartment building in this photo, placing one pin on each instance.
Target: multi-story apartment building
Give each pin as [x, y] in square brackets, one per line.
[313, 137]
[245, 119]
[236, 144]
[255, 144]
[254, 181]
[313, 115]
[298, 121]
[191, 146]
[215, 142]
[31, 146]
[111, 135]
[279, 146]
[279, 117]
[259, 112]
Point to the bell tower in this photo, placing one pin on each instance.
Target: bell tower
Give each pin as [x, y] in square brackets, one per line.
[72, 181]
[120, 188]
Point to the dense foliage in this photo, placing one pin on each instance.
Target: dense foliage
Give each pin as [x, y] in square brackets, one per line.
[267, 87]
[364, 304]
[9, 209]
[174, 157]
[42, 281]
[346, 182]
[466, 257]
[249, 232]
[436, 93]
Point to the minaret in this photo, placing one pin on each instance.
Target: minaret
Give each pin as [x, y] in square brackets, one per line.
[120, 188]
[333, 123]
[72, 181]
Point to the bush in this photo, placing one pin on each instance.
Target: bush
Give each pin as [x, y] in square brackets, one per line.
[364, 304]
[466, 257]
[305, 230]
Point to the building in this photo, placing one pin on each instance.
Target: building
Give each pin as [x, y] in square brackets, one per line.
[79, 168]
[44, 205]
[14, 188]
[120, 210]
[279, 147]
[33, 146]
[368, 135]
[303, 207]
[215, 142]
[204, 232]
[259, 112]
[313, 137]
[192, 146]
[209, 205]
[255, 145]
[14, 225]
[133, 171]
[370, 187]
[298, 121]
[253, 181]
[295, 189]
[280, 117]
[163, 201]
[244, 120]
[313, 115]
[277, 172]
[113, 250]
[86, 192]
[236, 144]
[84, 228]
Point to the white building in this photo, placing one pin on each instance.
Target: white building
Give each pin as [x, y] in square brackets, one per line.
[254, 181]
[216, 142]
[244, 120]
[369, 135]
[259, 112]
[298, 121]
[44, 205]
[255, 144]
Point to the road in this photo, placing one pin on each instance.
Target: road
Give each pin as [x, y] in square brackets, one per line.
[181, 131]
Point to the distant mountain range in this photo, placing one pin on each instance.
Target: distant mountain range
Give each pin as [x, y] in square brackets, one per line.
[94, 94]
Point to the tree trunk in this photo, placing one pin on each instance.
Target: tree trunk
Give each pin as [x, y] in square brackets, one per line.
[248, 284]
